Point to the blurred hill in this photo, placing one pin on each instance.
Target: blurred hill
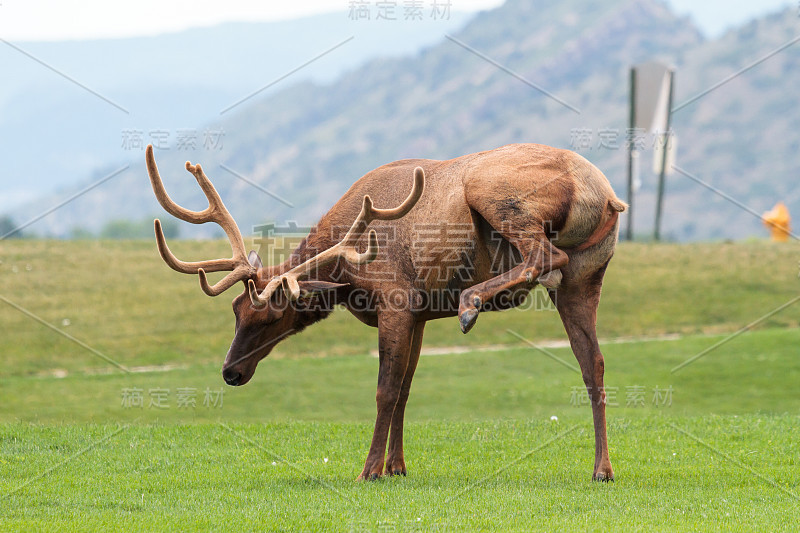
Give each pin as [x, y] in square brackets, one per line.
[53, 133]
[308, 142]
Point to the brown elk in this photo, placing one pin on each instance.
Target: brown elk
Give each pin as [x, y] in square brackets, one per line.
[525, 214]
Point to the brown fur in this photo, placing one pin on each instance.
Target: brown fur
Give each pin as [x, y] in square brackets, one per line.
[487, 227]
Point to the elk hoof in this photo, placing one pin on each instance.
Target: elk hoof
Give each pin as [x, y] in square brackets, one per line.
[467, 319]
[395, 467]
[551, 280]
[603, 477]
[603, 472]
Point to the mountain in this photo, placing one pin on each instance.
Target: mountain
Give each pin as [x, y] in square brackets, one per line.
[306, 144]
[67, 107]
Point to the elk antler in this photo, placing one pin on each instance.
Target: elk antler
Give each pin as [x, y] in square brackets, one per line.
[345, 248]
[238, 264]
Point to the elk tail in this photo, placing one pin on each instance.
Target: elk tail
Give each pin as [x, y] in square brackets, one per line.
[615, 206]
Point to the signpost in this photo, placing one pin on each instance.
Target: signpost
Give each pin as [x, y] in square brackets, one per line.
[651, 90]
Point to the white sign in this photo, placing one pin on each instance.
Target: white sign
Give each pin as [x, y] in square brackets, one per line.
[653, 81]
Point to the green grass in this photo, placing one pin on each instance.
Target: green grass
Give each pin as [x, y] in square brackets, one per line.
[756, 372]
[120, 298]
[504, 476]
[482, 451]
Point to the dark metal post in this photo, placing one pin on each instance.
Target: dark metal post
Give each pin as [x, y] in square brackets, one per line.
[631, 148]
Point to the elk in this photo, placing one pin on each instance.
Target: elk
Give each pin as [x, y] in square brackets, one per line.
[525, 214]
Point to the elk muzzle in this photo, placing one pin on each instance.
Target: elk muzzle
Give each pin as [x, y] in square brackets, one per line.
[243, 357]
[232, 376]
[238, 373]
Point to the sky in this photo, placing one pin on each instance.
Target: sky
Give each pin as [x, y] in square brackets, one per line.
[28, 20]
[716, 16]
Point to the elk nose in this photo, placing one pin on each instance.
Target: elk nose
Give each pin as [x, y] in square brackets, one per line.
[232, 377]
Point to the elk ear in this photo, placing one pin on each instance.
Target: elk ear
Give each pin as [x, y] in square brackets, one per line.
[312, 287]
[254, 260]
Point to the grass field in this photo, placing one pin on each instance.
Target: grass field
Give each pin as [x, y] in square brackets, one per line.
[709, 445]
[512, 475]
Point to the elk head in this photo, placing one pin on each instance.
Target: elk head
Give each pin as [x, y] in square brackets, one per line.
[268, 310]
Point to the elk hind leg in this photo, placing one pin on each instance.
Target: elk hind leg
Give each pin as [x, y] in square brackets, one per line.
[577, 302]
[540, 257]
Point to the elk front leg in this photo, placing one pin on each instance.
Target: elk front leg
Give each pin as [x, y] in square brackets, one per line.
[395, 461]
[540, 257]
[395, 331]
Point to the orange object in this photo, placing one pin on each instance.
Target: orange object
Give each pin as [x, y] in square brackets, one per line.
[778, 221]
